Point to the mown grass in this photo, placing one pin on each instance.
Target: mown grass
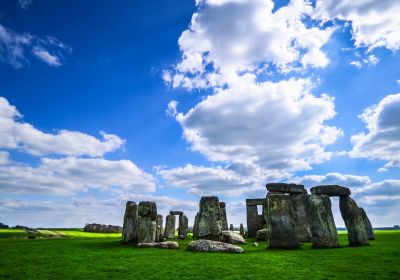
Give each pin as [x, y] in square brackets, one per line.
[80, 255]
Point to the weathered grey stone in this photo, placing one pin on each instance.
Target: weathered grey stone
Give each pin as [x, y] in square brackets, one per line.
[368, 226]
[241, 230]
[162, 245]
[281, 224]
[224, 220]
[160, 230]
[321, 222]
[196, 226]
[203, 245]
[299, 204]
[253, 220]
[231, 227]
[255, 201]
[285, 188]
[129, 230]
[148, 209]
[262, 235]
[232, 237]
[169, 232]
[209, 219]
[178, 213]
[331, 190]
[183, 226]
[354, 221]
[147, 222]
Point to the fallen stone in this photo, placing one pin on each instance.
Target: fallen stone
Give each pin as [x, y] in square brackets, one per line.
[351, 214]
[232, 237]
[321, 222]
[368, 226]
[162, 245]
[262, 235]
[285, 188]
[129, 229]
[331, 190]
[203, 245]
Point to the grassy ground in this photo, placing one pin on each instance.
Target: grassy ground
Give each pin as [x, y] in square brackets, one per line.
[73, 254]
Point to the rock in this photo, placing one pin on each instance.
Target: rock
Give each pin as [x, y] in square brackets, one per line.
[159, 228]
[321, 222]
[255, 244]
[162, 245]
[299, 204]
[222, 208]
[331, 190]
[178, 213]
[209, 224]
[169, 231]
[253, 220]
[368, 226]
[262, 235]
[241, 230]
[281, 224]
[196, 226]
[129, 230]
[351, 214]
[231, 227]
[183, 226]
[285, 188]
[147, 222]
[203, 245]
[232, 237]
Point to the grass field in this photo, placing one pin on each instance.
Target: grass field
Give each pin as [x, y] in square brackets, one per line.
[73, 254]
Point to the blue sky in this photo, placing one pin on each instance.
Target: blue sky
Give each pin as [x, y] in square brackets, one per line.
[103, 102]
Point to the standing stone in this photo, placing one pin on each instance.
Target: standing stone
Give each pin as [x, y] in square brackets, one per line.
[147, 222]
[222, 208]
[209, 219]
[169, 231]
[321, 222]
[183, 226]
[283, 231]
[253, 221]
[159, 231]
[241, 230]
[368, 226]
[129, 230]
[231, 227]
[354, 221]
[196, 226]
[299, 204]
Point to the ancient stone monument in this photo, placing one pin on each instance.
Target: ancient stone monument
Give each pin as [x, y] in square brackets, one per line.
[299, 204]
[183, 225]
[354, 221]
[147, 222]
[231, 227]
[368, 226]
[208, 223]
[159, 230]
[203, 245]
[169, 231]
[129, 230]
[224, 220]
[241, 230]
[254, 220]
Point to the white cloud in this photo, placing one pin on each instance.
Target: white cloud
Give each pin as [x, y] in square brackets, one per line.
[356, 64]
[369, 60]
[171, 110]
[382, 140]
[15, 134]
[15, 48]
[374, 23]
[352, 181]
[24, 4]
[68, 176]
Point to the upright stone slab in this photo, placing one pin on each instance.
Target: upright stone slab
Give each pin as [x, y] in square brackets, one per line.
[253, 219]
[321, 222]
[331, 190]
[222, 208]
[209, 219]
[129, 230]
[231, 227]
[283, 231]
[183, 226]
[169, 232]
[147, 222]
[159, 231]
[299, 204]
[285, 188]
[368, 226]
[241, 230]
[196, 226]
[351, 214]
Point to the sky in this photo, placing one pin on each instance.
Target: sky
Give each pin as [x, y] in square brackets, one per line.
[102, 102]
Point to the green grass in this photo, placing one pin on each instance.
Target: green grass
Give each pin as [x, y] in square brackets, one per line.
[80, 255]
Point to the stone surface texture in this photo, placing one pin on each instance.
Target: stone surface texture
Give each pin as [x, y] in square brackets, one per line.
[353, 219]
[183, 226]
[285, 188]
[209, 224]
[147, 222]
[222, 208]
[203, 245]
[129, 230]
[331, 190]
[299, 204]
[232, 237]
[169, 231]
[368, 226]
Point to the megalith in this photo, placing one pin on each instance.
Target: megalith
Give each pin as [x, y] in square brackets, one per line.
[241, 230]
[321, 222]
[169, 231]
[196, 226]
[222, 208]
[209, 224]
[354, 221]
[147, 222]
[254, 221]
[285, 188]
[183, 226]
[231, 227]
[368, 226]
[159, 231]
[331, 190]
[299, 204]
[129, 230]
[282, 226]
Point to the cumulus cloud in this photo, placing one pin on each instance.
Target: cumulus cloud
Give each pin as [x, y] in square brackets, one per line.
[15, 134]
[352, 181]
[374, 23]
[66, 176]
[16, 48]
[382, 141]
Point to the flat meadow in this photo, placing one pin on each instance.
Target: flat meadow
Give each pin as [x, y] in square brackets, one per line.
[74, 254]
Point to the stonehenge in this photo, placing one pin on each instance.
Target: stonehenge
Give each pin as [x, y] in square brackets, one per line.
[299, 204]
[208, 223]
[183, 225]
[254, 221]
[129, 229]
[169, 231]
[222, 210]
[204, 245]
[367, 224]
[147, 222]
[353, 219]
